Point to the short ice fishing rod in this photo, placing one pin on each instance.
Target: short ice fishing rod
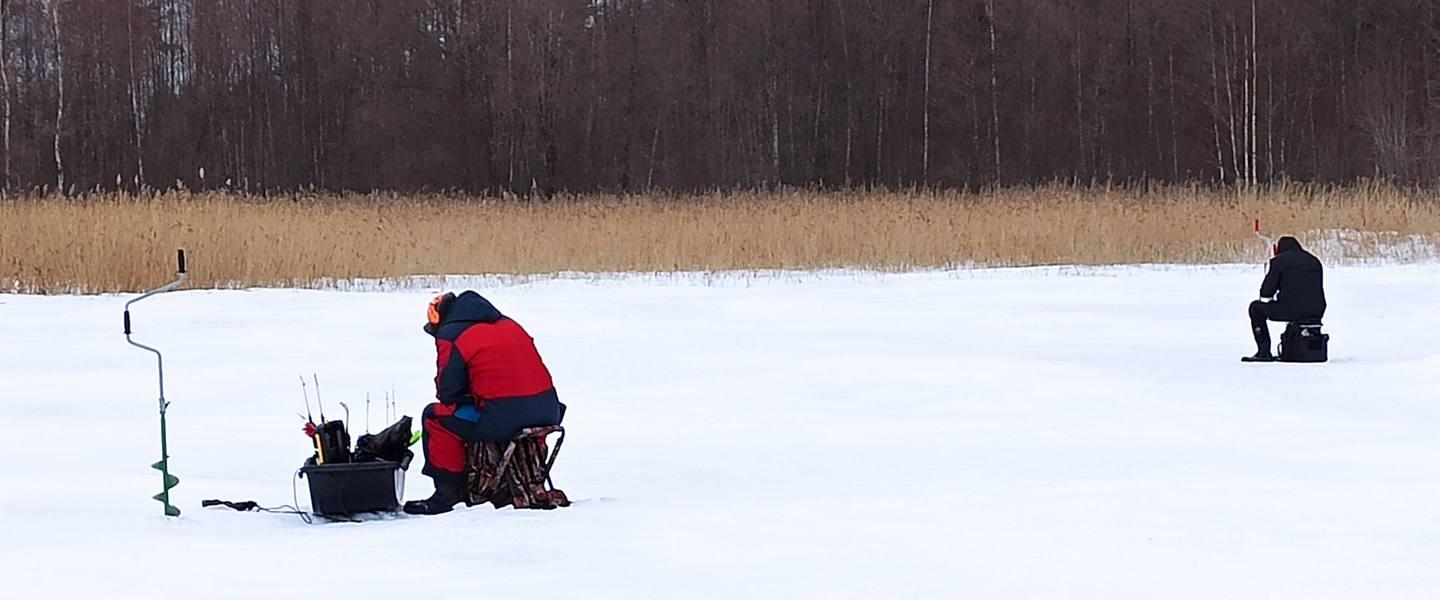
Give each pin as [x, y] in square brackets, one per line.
[1269, 243]
[168, 480]
[1264, 238]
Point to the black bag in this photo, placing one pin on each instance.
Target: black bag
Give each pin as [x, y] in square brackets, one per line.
[392, 444]
[1304, 343]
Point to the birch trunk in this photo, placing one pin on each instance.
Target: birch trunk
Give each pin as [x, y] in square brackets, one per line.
[5, 83]
[54, 6]
[925, 152]
[134, 97]
[994, 87]
[1215, 101]
[1254, 94]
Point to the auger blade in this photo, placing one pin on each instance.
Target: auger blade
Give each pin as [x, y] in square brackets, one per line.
[170, 481]
[164, 498]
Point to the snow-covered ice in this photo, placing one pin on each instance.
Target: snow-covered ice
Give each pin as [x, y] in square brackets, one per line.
[1010, 433]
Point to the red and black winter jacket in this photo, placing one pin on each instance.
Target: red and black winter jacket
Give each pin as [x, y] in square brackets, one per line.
[487, 360]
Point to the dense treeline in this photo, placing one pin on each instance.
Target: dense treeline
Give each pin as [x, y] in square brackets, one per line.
[578, 95]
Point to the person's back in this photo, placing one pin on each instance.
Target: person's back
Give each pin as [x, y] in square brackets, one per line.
[502, 361]
[1296, 282]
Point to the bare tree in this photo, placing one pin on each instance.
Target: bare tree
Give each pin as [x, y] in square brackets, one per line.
[1387, 123]
[994, 85]
[929, 24]
[5, 83]
[134, 92]
[53, 6]
[1215, 120]
[1430, 37]
[1250, 71]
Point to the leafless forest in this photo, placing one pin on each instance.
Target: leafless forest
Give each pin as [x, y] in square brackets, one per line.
[545, 96]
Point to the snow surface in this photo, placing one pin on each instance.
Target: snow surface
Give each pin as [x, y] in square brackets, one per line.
[1012, 433]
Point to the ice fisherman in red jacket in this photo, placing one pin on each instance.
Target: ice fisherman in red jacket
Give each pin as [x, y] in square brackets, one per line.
[490, 383]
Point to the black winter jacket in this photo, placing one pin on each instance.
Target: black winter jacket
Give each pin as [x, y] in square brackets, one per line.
[1296, 280]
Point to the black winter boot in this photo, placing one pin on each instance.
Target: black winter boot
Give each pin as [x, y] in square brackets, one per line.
[1261, 329]
[447, 495]
[1262, 340]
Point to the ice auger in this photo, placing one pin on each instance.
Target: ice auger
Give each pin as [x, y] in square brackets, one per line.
[168, 480]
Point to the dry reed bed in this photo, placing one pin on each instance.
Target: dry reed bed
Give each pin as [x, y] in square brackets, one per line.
[123, 243]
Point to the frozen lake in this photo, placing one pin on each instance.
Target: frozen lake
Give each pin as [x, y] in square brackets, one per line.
[1012, 433]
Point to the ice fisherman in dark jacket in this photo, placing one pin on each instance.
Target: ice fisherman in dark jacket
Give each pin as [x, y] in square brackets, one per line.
[490, 383]
[1296, 282]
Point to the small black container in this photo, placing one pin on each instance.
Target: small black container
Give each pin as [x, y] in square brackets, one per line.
[349, 488]
[1304, 343]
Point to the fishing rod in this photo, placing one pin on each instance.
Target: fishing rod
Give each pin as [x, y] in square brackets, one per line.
[1269, 243]
[318, 402]
[306, 394]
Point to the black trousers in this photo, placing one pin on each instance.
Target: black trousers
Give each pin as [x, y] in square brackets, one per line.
[446, 434]
[1261, 312]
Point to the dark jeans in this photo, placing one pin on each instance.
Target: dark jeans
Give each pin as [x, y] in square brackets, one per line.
[1260, 312]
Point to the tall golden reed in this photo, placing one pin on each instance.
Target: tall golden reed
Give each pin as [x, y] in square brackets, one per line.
[124, 243]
